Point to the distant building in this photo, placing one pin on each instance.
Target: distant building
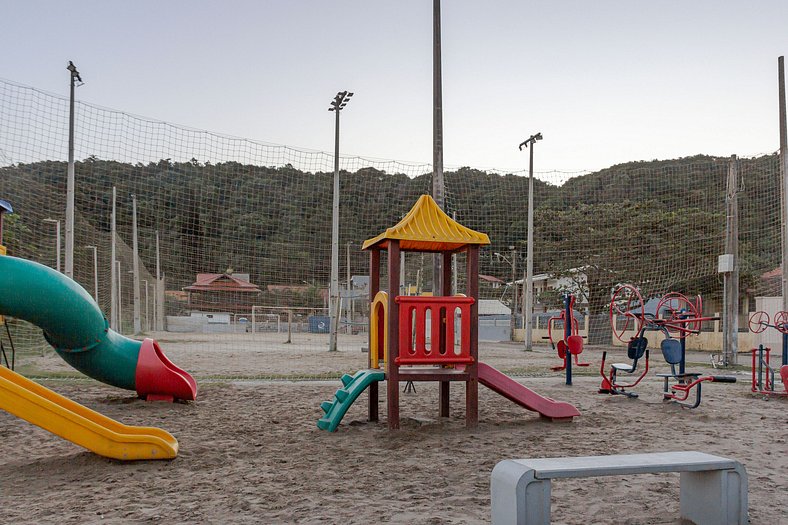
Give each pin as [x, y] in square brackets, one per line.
[222, 292]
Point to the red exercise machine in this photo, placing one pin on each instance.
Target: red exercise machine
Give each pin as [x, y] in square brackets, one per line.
[762, 371]
[572, 341]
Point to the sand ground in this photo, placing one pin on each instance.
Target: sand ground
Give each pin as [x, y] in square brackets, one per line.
[250, 451]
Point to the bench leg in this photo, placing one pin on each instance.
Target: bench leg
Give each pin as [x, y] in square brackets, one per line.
[517, 497]
[715, 497]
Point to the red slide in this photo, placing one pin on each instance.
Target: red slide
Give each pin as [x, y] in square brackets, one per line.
[524, 396]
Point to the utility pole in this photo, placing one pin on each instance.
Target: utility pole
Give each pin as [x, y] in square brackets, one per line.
[70, 190]
[783, 178]
[729, 266]
[528, 307]
[437, 135]
[135, 266]
[337, 105]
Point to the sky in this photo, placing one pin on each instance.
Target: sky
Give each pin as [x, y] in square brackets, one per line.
[604, 81]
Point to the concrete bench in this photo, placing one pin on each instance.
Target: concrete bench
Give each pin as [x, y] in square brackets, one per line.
[713, 489]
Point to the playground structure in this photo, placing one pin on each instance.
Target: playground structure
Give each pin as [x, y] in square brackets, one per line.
[399, 327]
[571, 345]
[762, 371]
[675, 316]
[78, 331]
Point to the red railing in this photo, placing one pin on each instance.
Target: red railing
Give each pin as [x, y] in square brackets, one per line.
[413, 348]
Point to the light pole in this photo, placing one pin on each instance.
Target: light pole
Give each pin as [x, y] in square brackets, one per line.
[337, 105]
[74, 74]
[95, 272]
[57, 239]
[529, 265]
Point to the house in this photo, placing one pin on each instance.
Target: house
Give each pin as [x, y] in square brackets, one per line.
[222, 292]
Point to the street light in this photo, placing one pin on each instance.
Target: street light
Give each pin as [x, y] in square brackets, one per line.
[95, 272]
[529, 265]
[57, 241]
[337, 105]
[74, 76]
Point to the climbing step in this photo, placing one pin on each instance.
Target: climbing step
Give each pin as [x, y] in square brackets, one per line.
[352, 386]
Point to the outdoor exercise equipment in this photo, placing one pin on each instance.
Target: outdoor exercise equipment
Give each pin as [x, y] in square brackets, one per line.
[762, 371]
[572, 342]
[678, 392]
[637, 348]
[675, 316]
[414, 336]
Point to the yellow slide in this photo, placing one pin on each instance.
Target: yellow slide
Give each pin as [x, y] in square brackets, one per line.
[80, 425]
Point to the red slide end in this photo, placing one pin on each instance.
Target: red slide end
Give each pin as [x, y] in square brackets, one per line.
[157, 379]
[524, 396]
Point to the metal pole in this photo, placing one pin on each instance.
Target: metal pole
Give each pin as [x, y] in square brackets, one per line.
[154, 305]
[334, 292]
[514, 291]
[783, 178]
[337, 105]
[147, 319]
[437, 134]
[135, 266]
[731, 279]
[159, 300]
[74, 75]
[57, 243]
[113, 316]
[120, 297]
[349, 300]
[95, 272]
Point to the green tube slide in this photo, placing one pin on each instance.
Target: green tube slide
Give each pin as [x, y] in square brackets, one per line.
[73, 323]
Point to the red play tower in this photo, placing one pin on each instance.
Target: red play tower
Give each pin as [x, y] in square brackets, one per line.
[399, 323]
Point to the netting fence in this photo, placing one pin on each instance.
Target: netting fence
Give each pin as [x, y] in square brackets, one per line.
[230, 207]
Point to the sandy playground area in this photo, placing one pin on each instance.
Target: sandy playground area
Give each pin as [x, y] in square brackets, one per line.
[250, 450]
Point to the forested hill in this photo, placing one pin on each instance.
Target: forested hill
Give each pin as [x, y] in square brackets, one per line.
[275, 222]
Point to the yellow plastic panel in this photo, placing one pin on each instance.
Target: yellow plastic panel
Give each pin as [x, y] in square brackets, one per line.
[426, 228]
[87, 428]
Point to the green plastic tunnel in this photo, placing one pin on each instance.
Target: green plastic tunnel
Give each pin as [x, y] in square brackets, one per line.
[78, 331]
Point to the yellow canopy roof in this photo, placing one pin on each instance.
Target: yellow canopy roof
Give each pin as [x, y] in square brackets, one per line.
[426, 228]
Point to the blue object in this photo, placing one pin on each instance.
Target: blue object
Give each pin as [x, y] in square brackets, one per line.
[5, 206]
[319, 324]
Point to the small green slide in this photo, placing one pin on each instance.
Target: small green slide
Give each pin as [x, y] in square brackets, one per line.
[352, 386]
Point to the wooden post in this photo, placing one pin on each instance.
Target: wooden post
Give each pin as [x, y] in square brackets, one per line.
[374, 288]
[392, 373]
[472, 386]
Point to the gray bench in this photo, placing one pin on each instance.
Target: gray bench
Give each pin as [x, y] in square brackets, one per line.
[713, 489]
